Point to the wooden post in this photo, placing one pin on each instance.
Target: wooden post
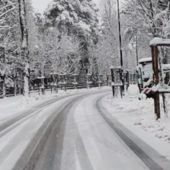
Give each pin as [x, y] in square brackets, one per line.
[65, 88]
[4, 76]
[15, 81]
[128, 80]
[107, 79]
[52, 80]
[112, 76]
[56, 81]
[122, 86]
[99, 81]
[156, 80]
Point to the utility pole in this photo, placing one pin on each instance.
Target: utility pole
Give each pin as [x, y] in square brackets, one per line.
[120, 37]
[120, 47]
[137, 57]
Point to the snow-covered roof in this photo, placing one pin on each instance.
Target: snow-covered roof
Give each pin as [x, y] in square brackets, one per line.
[160, 42]
[145, 59]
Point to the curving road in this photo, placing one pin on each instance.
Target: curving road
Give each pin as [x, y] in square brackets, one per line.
[73, 133]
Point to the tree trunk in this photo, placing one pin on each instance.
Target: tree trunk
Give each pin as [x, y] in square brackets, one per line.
[15, 87]
[165, 105]
[42, 80]
[24, 44]
[3, 87]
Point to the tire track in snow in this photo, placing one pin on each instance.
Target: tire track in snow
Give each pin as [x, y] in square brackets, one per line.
[77, 157]
[21, 116]
[14, 121]
[32, 154]
[116, 126]
[7, 122]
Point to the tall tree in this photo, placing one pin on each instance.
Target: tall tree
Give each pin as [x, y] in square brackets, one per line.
[9, 38]
[75, 18]
[143, 20]
[24, 44]
[110, 31]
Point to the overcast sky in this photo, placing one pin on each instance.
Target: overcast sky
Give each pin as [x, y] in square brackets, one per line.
[40, 5]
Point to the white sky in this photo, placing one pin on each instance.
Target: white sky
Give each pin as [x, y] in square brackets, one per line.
[40, 5]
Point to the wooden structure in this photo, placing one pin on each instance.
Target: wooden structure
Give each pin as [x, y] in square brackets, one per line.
[62, 80]
[154, 44]
[126, 78]
[99, 77]
[109, 79]
[144, 72]
[117, 80]
[133, 78]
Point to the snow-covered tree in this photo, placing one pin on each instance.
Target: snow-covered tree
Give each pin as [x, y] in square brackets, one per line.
[143, 20]
[110, 30]
[68, 56]
[24, 44]
[61, 50]
[32, 28]
[106, 52]
[78, 19]
[74, 17]
[9, 38]
[150, 16]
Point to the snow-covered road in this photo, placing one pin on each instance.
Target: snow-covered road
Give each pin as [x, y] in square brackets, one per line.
[73, 133]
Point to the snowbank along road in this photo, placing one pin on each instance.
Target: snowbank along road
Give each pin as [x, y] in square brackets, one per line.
[73, 133]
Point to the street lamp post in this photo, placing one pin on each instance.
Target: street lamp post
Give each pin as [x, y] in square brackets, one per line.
[120, 47]
[137, 56]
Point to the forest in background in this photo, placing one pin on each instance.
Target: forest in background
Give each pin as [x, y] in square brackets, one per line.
[75, 37]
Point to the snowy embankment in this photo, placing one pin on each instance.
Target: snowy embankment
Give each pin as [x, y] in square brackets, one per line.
[138, 116]
[10, 106]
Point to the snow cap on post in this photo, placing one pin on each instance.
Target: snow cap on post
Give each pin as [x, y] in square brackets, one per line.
[147, 59]
[159, 42]
[116, 68]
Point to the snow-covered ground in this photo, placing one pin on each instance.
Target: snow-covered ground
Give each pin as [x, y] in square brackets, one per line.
[103, 147]
[12, 105]
[73, 134]
[138, 116]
